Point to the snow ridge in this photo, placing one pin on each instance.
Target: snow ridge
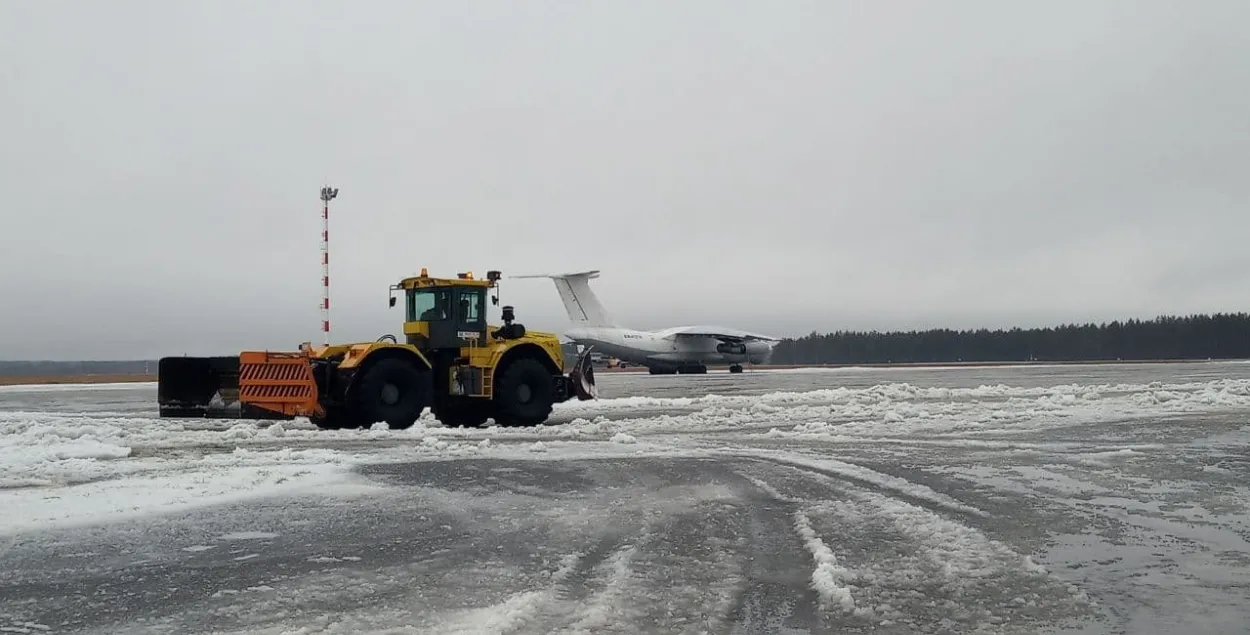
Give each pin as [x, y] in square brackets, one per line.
[828, 577]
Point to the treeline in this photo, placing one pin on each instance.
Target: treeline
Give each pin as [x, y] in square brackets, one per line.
[50, 368]
[1218, 336]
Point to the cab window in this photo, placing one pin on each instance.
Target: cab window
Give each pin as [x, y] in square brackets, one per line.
[470, 305]
[428, 305]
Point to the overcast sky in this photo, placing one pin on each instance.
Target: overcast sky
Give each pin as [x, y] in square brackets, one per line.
[777, 166]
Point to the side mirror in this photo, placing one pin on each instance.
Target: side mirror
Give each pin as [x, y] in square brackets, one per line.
[392, 303]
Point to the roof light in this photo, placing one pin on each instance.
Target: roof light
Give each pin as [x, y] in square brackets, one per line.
[424, 273]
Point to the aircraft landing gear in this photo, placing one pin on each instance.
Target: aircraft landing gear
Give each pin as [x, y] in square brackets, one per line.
[736, 368]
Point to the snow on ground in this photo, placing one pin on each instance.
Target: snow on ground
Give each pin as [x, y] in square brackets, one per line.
[207, 460]
[958, 500]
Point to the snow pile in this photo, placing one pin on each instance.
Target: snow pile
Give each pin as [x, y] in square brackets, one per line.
[40, 449]
[22, 463]
[127, 498]
[621, 437]
[505, 617]
[29, 439]
[1225, 392]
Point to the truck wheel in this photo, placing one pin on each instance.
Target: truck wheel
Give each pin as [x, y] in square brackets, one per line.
[524, 394]
[392, 390]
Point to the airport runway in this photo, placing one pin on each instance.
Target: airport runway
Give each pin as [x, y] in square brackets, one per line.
[1092, 499]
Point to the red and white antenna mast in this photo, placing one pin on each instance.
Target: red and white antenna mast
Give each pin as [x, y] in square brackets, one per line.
[327, 195]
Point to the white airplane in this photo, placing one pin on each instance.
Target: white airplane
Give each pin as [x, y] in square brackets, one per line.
[681, 349]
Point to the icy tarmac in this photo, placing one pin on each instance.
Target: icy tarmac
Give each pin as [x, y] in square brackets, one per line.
[1061, 499]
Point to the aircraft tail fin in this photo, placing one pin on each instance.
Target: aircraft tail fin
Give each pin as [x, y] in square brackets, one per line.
[581, 304]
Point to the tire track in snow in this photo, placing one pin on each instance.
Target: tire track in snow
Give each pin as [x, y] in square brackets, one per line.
[865, 478]
[586, 585]
[881, 563]
[777, 597]
[607, 606]
[827, 577]
[917, 569]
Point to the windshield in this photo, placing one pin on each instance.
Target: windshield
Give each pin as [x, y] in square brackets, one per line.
[427, 305]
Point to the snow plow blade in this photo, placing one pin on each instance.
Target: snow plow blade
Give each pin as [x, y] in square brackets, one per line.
[582, 377]
[198, 387]
[231, 387]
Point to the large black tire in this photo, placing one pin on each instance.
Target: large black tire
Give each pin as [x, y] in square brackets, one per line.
[392, 390]
[524, 393]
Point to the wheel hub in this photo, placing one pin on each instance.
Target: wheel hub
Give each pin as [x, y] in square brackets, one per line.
[524, 394]
[390, 394]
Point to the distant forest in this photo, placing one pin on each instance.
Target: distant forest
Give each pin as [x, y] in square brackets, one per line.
[1218, 336]
[46, 369]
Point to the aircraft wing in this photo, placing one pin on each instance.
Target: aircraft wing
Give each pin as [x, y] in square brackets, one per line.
[721, 333]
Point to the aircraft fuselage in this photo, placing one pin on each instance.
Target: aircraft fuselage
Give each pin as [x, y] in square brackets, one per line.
[685, 349]
[662, 348]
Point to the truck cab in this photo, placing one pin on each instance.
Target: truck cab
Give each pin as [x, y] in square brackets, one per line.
[444, 313]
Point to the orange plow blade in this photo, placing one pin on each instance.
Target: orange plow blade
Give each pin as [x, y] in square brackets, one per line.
[281, 383]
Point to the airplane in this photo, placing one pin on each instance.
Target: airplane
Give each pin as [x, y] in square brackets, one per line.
[681, 349]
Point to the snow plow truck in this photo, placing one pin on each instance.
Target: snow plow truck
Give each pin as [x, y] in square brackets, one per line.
[450, 360]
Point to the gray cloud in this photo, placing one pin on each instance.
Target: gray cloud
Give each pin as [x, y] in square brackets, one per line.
[816, 165]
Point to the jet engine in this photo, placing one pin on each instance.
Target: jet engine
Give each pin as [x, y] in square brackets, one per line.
[731, 348]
